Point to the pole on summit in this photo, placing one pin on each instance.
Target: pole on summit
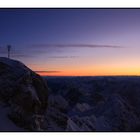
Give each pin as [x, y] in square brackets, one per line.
[9, 49]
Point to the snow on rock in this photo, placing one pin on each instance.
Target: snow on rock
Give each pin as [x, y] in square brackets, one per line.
[72, 126]
[81, 123]
[5, 123]
[57, 101]
[56, 114]
[117, 115]
[82, 107]
[55, 120]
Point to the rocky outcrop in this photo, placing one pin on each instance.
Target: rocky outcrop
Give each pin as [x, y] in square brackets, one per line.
[24, 92]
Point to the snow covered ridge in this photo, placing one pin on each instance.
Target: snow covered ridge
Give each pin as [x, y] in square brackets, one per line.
[23, 96]
[94, 103]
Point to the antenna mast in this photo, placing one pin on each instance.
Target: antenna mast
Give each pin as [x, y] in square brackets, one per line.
[9, 49]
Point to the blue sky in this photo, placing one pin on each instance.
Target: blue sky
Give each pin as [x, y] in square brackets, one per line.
[59, 39]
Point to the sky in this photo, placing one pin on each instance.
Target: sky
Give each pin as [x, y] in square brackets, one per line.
[73, 42]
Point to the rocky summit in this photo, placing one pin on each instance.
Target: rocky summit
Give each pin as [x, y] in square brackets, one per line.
[23, 97]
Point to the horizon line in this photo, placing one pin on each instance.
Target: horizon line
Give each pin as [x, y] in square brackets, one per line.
[90, 75]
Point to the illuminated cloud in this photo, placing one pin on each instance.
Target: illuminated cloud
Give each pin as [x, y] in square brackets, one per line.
[47, 72]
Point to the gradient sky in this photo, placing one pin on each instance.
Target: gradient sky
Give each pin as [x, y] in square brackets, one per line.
[78, 42]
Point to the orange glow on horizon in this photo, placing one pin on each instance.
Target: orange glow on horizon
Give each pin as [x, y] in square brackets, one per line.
[122, 67]
[95, 72]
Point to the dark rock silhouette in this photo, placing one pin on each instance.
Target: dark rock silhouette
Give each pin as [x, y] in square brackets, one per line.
[24, 92]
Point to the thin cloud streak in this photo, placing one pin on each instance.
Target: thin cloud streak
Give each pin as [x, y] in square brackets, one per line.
[63, 57]
[21, 55]
[47, 71]
[75, 45]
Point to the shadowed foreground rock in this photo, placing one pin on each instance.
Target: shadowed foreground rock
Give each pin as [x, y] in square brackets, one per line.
[25, 94]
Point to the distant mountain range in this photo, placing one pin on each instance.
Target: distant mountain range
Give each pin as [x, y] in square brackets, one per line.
[98, 103]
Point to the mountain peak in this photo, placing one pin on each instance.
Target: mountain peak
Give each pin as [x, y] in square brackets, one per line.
[24, 92]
